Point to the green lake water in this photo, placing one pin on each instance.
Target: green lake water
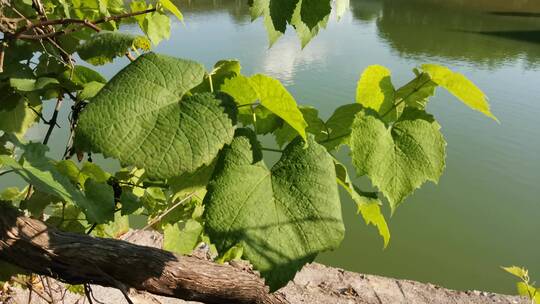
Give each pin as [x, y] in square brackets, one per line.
[485, 211]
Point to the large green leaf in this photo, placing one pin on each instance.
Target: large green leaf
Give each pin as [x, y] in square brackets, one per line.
[368, 206]
[271, 94]
[41, 172]
[400, 158]
[460, 87]
[375, 90]
[304, 32]
[282, 217]
[140, 118]
[104, 46]
[157, 26]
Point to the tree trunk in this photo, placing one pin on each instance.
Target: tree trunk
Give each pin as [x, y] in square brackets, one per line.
[76, 259]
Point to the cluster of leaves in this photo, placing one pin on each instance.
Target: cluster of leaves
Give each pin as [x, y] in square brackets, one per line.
[307, 17]
[525, 287]
[188, 139]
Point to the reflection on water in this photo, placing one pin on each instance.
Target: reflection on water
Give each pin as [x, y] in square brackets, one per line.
[457, 30]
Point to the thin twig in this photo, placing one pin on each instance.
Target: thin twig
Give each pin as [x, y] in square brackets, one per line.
[87, 23]
[6, 172]
[52, 121]
[272, 150]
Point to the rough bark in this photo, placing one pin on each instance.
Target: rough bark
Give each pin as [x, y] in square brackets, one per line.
[76, 259]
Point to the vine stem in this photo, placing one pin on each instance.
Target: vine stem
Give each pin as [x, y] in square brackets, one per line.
[87, 23]
[161, 216]
[52, 122]
[272, 150]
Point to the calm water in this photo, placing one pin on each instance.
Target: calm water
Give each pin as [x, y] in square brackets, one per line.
[484, 212]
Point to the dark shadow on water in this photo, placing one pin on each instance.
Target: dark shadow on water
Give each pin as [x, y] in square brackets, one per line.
[532, 36]
[517, 14]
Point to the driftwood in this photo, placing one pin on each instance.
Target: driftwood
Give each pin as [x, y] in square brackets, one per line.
[76, 259]
[34, 246]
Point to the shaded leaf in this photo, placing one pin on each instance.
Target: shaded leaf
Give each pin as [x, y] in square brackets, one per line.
[282, 217]
[104, 46]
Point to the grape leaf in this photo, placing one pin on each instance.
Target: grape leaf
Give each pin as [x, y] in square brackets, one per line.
[376, 91]
[104, 46]
[519, 272]
[339, 125]
[281, 12]
[313, 11]
[182, 237]
[460, 87]
[40, 171]
[172, 8]
[303, 31]
[20, 117]
[140, 118]
[282, 217]
[271, 94]
[400, 158]
[157, 26]
[369, 207]
[417, 92]
[316, 126]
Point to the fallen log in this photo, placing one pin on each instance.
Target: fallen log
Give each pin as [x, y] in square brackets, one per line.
[76, 259]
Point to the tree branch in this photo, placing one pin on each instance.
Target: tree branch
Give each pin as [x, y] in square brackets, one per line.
[78, 259]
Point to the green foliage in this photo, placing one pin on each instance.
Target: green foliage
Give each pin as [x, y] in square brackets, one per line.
[524, 287]
[192, 163]
[104, 46]
[281, 217]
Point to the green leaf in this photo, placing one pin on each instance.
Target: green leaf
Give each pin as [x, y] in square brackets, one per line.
[140, 118]
[313, 11]
[376, 91]
[241, 89]
[115, 229]
[157, 26]
[172, 8]
[529, 291]
[369, 207]
[303, 31]
[40, 171]
[461, 87]
[39, 201]
[182, 237]
[271, 94]
[90, 90]
[102, 197]
[342, 6]
[262, 119]
[234, 253]
[281, 12]
[21, 117]
[417, 92]
[30, 85]
[282, 217]
[400, 158]
[519, 272]
[316, 126]
[104, 46]
[130, 202]
[339, 125]
[80, 76]
[223, 70]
